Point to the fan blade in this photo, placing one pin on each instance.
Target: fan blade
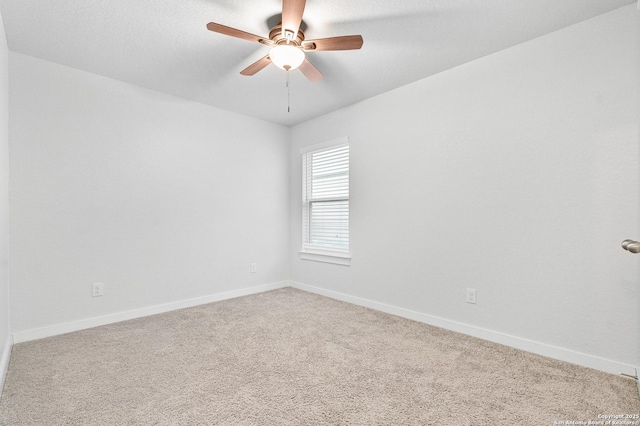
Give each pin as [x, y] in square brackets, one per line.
[350, 42]
[256, 66]
[292, 11]
[310, 71]
[233, 32]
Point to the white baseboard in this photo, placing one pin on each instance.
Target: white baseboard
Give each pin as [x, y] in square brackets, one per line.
[4, 362]
[543, 349]
[57, 329]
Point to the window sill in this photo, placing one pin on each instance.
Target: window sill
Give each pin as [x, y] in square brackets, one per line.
[326, 256]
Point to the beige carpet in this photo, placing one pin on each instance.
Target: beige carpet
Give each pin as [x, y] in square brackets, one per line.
[290, 357]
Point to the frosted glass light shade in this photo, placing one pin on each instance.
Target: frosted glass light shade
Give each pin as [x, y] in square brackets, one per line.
[286, 56]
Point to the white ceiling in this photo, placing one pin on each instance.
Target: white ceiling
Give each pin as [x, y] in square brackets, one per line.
[164, 44]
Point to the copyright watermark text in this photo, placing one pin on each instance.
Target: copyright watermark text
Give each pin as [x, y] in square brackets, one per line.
[605, 420]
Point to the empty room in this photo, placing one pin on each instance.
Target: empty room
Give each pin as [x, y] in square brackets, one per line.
[290, 212]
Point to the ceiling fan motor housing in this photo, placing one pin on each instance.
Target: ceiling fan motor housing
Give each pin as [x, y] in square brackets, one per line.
[276, 36]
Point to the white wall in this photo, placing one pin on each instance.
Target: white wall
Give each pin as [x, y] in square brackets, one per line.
[516, 175]
[5, 343]
[159, 198]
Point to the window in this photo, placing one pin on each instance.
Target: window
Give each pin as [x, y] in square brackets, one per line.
[325, 202]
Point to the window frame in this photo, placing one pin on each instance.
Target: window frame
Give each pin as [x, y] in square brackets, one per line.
[309, 251]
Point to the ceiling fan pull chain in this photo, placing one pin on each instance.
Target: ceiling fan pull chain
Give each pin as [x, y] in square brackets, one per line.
[288, 93]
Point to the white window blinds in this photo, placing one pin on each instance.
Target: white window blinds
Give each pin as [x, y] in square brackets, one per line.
[325, 216]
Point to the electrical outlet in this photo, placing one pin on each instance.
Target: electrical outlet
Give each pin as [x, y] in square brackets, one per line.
[471, 295]
[254, 268]
[97, 290]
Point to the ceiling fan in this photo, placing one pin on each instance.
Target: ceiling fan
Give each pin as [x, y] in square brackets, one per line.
[287, 42]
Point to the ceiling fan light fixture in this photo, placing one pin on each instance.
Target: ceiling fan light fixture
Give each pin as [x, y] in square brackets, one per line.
[286, 56]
